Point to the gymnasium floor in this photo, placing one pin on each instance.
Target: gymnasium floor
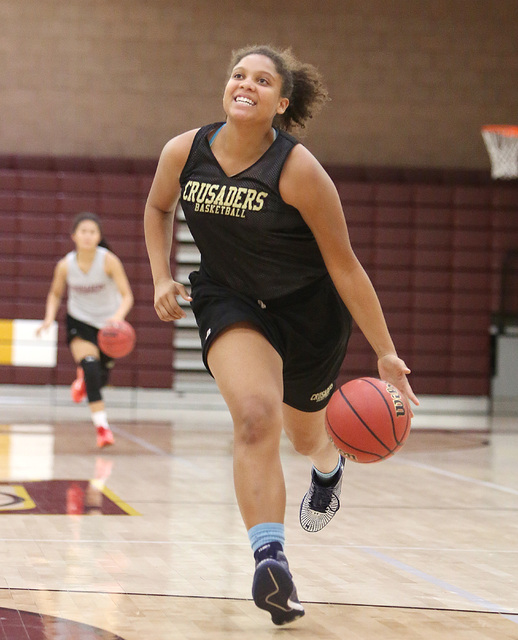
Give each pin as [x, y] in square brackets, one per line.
[144, 540]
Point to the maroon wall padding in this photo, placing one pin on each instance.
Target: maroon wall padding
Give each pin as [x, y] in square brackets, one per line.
[433, 245]
[38, 199]
[431, 240]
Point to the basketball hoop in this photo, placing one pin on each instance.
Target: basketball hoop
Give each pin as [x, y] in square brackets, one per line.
[502, 146]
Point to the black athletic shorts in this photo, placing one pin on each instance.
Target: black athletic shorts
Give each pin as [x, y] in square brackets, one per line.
[309, 328]
[78, 329]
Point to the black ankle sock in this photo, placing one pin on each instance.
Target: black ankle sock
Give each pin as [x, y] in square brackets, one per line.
[268, 550]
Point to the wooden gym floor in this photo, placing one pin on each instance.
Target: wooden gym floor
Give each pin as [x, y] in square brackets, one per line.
[145, 541]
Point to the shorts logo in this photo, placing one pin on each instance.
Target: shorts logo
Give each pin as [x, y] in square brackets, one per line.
[322, 395]
[209, 331]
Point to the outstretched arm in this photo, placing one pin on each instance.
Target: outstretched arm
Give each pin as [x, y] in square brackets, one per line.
[57, 288]
[308, 187]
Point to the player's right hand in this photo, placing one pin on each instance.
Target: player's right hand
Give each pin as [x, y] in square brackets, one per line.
[43, 327]
[166, 305]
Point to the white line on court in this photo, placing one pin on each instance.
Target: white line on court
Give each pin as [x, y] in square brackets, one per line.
[457, 476]
[470, 597]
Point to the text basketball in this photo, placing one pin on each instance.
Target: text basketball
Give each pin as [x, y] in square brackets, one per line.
[368, 420]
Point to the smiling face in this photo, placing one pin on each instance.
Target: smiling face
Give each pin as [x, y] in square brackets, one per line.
[87, 235]
[254, 90]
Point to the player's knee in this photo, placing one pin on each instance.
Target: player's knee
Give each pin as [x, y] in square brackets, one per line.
[256, 422]
[305, 443]
[93, 378]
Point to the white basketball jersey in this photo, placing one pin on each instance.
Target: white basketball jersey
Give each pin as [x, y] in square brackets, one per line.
[93, 297]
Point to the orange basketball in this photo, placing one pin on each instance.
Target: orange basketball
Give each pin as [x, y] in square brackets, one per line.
[368, 420]
[116, 339]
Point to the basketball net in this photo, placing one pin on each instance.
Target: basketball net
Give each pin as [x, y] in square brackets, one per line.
[502, 145]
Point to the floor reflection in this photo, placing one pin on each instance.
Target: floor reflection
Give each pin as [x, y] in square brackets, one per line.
[18, 625]
[425, 542]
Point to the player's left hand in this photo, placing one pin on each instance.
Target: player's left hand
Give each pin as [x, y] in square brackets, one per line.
[394, 370]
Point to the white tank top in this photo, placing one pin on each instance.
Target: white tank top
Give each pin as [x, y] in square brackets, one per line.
[93, 297]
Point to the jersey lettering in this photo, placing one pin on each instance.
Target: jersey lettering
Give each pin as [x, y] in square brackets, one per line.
[222, 199]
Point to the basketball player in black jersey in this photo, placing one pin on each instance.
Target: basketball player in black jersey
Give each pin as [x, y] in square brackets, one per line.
[274, 296]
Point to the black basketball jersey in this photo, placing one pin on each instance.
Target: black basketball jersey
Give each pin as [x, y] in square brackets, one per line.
[250, 240]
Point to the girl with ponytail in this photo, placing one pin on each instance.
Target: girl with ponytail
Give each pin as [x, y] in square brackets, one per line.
[98, 293]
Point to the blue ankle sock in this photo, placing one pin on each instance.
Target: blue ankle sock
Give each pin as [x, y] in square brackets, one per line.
[264, 533]
[327, 476]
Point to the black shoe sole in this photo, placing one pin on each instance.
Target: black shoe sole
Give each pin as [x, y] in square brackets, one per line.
[272, 589]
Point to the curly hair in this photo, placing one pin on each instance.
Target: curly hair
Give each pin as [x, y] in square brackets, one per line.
[302, 84]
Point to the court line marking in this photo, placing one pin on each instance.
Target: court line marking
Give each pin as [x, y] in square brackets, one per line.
[457, 476]
[474, 599]
[150, 447]
[140, 441]
[470, 597]
[437, 581]
[146, 594]
[221, 543]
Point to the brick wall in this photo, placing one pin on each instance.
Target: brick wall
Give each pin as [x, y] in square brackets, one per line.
[411, 81]
[39, 197]
[433, 244]
[432, 241]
